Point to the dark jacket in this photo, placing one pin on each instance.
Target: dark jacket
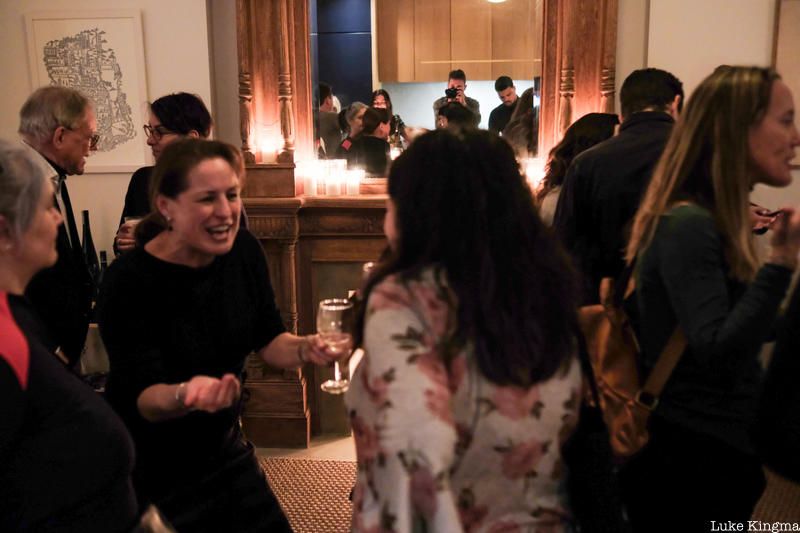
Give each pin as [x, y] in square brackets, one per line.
[777, 431]
[601, 193]
[371, 154]
[62, 295]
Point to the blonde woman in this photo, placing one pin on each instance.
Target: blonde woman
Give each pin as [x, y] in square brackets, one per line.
[697, 270]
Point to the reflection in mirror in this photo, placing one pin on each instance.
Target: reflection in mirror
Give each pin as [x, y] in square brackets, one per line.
[409, 48]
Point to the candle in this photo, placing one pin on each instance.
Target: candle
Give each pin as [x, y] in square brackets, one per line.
[333, 184]
[533, 169]
[353, 180]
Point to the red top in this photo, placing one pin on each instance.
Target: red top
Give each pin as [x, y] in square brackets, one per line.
[14, 348]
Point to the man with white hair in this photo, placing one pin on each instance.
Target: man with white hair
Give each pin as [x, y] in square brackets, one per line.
[59, 124]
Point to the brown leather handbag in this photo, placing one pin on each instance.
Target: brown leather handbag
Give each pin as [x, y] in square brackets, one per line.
[614, 353]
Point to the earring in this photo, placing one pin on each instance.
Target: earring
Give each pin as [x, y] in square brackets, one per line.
[169, 223]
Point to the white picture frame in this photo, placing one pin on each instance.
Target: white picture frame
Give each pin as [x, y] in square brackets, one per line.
[101, 54]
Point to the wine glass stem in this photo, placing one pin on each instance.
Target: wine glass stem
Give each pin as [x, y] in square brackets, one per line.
[337, 374]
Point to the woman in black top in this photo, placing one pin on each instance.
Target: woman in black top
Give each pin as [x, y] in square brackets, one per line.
[397, 129]
[179, 314]
[65, 457]
[698, 271]
[370, 149]
[352, 116]
[172, 117]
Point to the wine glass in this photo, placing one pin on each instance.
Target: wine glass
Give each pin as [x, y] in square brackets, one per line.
[334, 328]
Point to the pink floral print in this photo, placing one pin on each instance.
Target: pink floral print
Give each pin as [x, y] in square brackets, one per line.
[439, 447]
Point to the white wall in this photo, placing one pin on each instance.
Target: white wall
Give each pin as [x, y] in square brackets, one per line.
[224, 70]
[177, 59]
[690, 38]
[414, 101]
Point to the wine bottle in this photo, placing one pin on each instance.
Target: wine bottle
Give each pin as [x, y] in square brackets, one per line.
[103, 266]
[89, 252]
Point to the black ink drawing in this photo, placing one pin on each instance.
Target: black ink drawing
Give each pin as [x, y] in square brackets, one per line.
[84, 63]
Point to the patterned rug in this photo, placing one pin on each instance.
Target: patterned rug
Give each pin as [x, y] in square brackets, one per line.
[780, 501]
[314, 494]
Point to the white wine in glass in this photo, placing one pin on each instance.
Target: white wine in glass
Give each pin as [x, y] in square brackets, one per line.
[333, 327]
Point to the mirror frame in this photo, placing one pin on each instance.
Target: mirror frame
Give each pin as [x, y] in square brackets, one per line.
[275, 94]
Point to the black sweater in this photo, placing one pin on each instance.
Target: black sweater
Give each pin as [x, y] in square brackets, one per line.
[165, 323]
[683, 278]
[65, 457]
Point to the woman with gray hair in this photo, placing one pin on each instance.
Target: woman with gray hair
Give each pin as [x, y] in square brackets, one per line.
[65, 457]
[353, 115]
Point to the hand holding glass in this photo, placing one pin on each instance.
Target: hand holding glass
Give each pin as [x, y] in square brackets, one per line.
[334, 330]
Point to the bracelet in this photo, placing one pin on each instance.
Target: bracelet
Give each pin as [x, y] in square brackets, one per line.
[178, 390]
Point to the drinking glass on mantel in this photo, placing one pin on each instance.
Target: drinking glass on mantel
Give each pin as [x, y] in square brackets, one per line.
[334, 326]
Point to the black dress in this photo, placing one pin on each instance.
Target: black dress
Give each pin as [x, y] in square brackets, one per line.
[165, 323]
[137, 199]
[371, 154]
[65, 457]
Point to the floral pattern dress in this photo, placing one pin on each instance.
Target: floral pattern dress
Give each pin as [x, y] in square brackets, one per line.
[440, 448]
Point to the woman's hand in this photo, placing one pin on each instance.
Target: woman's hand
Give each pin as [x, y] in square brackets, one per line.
[762, 218]
[314, 350]
[124, 238]
[205, 393]
[785, 240]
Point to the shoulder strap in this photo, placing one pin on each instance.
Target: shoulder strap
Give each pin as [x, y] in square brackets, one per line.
[626, 280]
[670, 355]
[665, 365]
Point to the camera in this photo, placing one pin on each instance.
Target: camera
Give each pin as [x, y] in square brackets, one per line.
[451, 92]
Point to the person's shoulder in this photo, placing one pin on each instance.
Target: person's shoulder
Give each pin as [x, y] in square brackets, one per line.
[142, 173]
[246, 240]
[129, 264]
[689, 222]
[420, 291]
[347, 144]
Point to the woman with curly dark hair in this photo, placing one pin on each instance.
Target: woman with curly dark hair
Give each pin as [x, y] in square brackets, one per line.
[584, 133]
[469, 383]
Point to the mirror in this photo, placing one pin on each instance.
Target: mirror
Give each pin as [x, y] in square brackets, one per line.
[408, 47]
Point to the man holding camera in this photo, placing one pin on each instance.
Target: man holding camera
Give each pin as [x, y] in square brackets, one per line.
[456, 85]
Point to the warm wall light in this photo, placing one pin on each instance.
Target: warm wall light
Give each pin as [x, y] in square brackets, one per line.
[496, 1]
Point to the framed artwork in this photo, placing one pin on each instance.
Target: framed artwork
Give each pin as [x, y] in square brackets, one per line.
[787, 43]
[101, 54]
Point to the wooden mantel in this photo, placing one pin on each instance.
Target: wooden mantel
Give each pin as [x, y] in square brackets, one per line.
[300, 233]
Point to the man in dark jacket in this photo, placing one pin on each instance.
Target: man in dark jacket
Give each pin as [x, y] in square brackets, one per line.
[604, 185]
[59, 124]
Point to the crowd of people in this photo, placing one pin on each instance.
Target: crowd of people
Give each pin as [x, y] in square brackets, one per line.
[473, 374]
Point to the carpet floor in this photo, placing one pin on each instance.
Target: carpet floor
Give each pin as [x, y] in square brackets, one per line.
[780, 501]
[314, 495]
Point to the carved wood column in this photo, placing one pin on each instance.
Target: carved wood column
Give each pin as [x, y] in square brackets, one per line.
[245, 81]
[578, 64]
[274, 79]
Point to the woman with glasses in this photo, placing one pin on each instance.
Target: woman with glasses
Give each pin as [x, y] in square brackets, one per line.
[172, 117]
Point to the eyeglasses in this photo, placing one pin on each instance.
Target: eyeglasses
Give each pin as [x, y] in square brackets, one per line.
[93, 139]
[156, 132]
